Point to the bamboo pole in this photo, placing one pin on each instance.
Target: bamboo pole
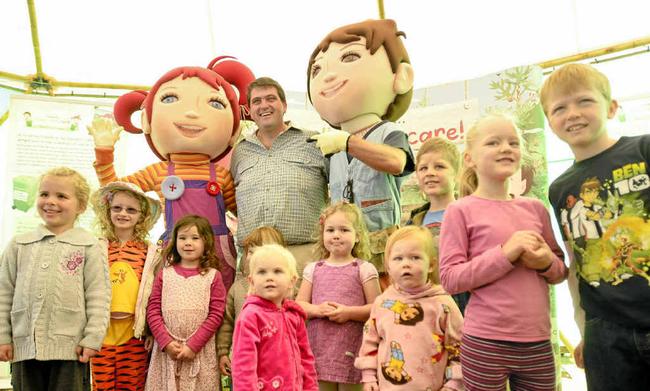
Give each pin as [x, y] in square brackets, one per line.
[380, 6]
[4, 117]
[566, 342]
[35, 41]
[13, 76]
[597, 52]
[545, 65]
[58, 83]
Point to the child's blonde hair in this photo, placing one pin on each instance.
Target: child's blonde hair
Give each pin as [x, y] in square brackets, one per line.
[448, 150]
[101, 202]
[468, 180]
[209, 257]
[361, 248]
[259, 237]
[425, 238]
[268, 250]
[572, 77]
[81, 187]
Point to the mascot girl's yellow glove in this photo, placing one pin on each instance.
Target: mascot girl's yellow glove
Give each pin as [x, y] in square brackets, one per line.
[331, 142]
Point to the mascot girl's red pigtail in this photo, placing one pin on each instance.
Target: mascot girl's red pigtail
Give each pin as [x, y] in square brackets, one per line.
[191, 119]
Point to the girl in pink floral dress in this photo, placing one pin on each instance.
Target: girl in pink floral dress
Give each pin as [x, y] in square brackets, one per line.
[185, 309]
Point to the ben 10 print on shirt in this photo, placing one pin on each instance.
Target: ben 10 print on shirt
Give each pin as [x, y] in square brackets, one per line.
[607, 227]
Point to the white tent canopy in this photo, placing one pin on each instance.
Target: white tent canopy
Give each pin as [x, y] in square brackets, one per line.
[135, 41]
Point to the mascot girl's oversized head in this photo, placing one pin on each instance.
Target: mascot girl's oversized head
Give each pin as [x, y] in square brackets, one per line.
[191, 119]
[174, 129]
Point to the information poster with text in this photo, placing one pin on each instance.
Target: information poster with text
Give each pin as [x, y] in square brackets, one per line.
[42, 133]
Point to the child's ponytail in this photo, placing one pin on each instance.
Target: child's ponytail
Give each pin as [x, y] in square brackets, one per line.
[468, 181]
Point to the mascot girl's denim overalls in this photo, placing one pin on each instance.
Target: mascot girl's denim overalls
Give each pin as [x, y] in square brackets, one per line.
[203, 198]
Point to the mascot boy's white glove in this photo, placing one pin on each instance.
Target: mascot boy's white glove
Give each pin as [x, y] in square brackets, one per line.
[331, 142]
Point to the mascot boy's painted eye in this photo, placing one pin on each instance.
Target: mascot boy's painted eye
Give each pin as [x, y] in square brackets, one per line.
[217, 104]
[314, 70]
[169, 98]
[350, 57]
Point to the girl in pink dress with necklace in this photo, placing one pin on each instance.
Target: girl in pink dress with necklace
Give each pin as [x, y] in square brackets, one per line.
[185, 310]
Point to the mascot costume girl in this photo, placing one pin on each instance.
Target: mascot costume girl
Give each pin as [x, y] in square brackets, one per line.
[190, 119]
[360, 80]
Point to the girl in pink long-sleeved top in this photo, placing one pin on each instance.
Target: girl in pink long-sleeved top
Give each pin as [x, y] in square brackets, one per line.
[270, 346]
[185, 309]
[411, 340]
[503, 251]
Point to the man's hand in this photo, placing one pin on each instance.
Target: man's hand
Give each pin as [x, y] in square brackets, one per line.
[105, 131]
[331, 142]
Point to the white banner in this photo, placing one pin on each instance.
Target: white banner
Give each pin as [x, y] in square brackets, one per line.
[42, 133]
[449, 121]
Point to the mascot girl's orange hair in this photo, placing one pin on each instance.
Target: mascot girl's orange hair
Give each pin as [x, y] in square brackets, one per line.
[190, 119]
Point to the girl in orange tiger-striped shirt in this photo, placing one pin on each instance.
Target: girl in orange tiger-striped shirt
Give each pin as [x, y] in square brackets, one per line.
[125, 215]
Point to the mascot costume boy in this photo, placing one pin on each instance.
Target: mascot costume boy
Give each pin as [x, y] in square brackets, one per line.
[360, 81]
[190, 119]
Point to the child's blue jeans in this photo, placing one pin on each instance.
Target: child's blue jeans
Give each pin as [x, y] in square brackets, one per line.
[616, 357]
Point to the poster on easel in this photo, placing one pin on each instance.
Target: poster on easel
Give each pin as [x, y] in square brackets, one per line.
[42, 133]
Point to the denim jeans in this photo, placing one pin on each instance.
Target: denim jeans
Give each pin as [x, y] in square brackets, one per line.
[616, 357]
[461, 300]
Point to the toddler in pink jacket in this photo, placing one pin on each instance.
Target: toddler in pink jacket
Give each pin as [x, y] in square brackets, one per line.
[412, 339]
[270, 345]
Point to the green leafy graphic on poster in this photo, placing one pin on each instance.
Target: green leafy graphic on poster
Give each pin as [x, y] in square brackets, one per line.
[450, 110]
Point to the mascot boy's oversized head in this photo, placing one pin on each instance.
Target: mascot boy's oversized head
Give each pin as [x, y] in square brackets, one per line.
[359, 70]
[215, 85]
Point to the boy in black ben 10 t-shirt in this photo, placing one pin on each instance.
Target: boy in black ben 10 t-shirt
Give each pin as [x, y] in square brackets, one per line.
[602, 204]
